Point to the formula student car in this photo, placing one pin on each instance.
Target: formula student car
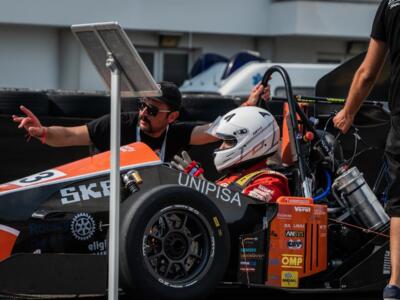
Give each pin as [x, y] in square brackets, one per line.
[182, 236]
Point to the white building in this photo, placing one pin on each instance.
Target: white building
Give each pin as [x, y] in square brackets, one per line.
[38, 50]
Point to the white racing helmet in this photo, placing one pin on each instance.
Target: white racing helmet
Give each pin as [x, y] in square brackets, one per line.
[250, 131]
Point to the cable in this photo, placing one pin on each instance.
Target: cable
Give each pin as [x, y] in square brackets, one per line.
[327, 190]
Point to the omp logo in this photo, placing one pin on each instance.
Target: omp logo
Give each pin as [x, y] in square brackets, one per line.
[292, 261]
[83, 192]
[302, 209]
[294, 233]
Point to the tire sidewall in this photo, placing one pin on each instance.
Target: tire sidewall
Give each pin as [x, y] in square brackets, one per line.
[134, 270]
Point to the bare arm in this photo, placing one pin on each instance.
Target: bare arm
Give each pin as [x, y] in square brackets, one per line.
[56, 136]
[199, 134]
[363, 81]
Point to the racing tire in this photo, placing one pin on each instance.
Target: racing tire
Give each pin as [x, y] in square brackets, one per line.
[174, 244]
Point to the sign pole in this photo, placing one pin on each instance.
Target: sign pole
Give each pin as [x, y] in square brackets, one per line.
[115, 142]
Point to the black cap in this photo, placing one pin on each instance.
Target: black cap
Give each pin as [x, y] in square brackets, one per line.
[171, 95]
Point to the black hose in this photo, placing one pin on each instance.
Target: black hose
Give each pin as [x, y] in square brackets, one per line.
[293, 107]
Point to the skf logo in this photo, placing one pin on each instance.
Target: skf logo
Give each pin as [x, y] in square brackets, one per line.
[294, 233]
[292, 261]
[84, 192]
[289, 279]
[302, 209]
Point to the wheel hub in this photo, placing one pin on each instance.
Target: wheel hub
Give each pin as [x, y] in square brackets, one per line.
[176, 245]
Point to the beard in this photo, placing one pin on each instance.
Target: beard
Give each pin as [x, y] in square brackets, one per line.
[145, 124]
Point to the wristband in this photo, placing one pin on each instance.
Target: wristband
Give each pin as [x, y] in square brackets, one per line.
[190, 167]
[193, 172]
[44, 135]
[198, 172]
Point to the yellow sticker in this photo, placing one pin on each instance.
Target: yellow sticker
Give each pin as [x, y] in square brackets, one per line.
[289, 279]
[216, 222]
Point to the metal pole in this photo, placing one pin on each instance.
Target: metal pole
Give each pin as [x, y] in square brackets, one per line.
[113, 247]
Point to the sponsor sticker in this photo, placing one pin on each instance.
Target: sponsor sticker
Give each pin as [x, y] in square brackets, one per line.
[83, 226]
[294, 233]
[292, 261]
[38, 178]
[289, 279]
[48, 228]
[294, 244]
[83, 192]
[274, 261]
[216, 222]
[209, 188]
[98, 247]
[298, 226]
[248, 250]
[283, 216]
[302, 209]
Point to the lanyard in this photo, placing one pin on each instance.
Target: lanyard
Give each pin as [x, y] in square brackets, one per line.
[162, 151]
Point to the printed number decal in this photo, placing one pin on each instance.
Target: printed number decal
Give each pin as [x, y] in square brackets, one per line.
[38, 177]
[48, 175]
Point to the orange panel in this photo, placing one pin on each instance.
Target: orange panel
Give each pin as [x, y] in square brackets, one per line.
[287, 146]
[298, 242]
[8, 236]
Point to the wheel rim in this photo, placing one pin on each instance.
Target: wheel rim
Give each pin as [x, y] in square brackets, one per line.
[178, 246]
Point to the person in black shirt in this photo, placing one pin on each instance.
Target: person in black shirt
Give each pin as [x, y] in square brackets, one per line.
[155, 124]
[385, 40]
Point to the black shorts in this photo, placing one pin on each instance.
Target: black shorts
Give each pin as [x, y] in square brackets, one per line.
[392, 153]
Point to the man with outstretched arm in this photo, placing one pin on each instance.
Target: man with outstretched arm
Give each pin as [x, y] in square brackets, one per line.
[155, 124]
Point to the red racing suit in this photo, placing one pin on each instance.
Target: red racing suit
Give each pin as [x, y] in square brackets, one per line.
[258, 181]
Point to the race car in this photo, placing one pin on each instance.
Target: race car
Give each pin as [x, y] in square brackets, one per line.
[181, 236]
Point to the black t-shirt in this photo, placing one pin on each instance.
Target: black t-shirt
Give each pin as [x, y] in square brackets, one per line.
[178, 136]
[386, 28]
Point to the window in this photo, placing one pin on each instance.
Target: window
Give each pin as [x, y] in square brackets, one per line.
[167, 64]
[175, 67]
[148, 59]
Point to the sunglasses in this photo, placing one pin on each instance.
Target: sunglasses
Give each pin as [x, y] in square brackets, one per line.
[151, 110]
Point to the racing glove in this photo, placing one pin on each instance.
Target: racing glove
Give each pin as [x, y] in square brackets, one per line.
[185, 164]
[31, 124]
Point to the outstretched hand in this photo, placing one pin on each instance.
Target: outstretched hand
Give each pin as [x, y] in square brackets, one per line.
[256, 92]
[185, 164]
[31, 124]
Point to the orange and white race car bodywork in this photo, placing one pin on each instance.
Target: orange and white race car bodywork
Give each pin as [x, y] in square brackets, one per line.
[132, 155]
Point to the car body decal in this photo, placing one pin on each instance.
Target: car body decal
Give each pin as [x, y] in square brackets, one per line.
[132, 155]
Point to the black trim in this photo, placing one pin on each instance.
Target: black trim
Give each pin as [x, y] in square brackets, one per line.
[305, 247]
